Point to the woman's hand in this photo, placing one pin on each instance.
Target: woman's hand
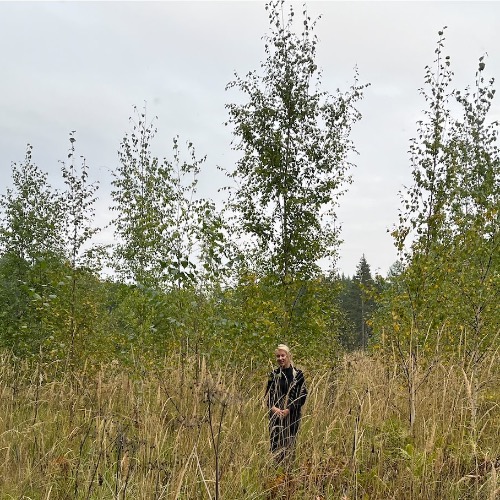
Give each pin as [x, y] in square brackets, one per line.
[276, 410]
[280, 413]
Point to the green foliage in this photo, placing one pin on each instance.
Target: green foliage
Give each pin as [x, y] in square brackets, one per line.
[186, 298]
[171, 243]
[156, 209]
[357, 301]
[78, 200]
[256, 314]
[448, 231]
[27, 296]
[294, 140]
[32, 214]
[31, 238]
[188, 284]
[49, 290]
[443, 297]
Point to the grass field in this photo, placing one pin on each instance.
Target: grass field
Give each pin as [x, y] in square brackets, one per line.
[189, 432]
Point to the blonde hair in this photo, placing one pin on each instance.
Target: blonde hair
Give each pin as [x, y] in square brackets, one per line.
[284, 347]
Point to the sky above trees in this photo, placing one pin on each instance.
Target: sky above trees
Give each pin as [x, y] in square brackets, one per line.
[83, 65]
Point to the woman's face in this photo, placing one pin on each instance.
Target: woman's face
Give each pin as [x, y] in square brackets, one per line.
[282, 358]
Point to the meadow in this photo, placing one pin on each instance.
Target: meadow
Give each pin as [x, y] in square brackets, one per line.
[192, 431]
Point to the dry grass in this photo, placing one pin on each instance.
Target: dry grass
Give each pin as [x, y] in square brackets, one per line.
[111, 435]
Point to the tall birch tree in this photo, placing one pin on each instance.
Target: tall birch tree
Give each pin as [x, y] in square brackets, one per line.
[295, 144]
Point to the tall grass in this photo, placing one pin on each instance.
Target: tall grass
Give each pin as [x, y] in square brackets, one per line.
[190, 432]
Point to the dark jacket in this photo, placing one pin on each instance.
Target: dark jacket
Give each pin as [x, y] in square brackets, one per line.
[284, 394]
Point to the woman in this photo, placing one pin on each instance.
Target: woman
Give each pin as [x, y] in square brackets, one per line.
[286, 393]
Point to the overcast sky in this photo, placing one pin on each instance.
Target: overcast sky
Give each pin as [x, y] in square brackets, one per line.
[83, 66]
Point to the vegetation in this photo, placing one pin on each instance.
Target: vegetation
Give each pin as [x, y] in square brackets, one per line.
[108, 433]
[148, 383]
[294, 140]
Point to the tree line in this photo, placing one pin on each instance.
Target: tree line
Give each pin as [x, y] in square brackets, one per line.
[228, 284]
